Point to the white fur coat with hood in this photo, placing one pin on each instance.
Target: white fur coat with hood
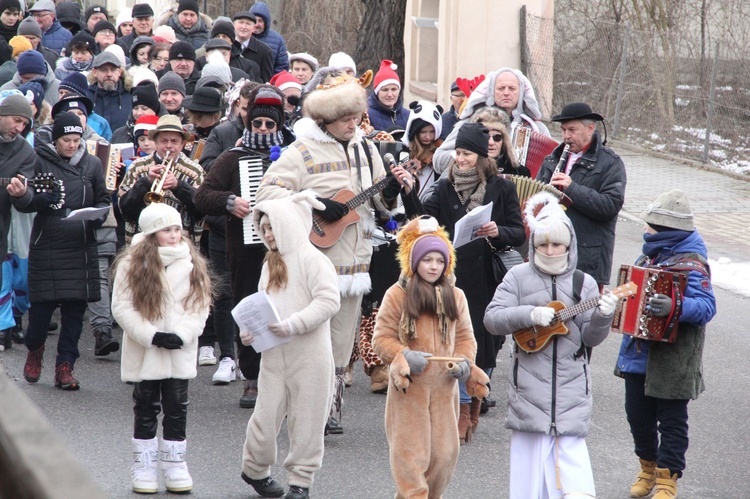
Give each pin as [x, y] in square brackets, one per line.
[318, 162]
[141, 360]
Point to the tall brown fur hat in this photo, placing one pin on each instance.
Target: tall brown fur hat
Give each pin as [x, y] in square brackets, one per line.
[335, 95]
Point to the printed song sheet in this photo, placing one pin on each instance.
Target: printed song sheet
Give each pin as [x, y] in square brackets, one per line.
[254, 313]
[466, 229]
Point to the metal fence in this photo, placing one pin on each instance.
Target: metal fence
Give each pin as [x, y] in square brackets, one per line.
[667, 91]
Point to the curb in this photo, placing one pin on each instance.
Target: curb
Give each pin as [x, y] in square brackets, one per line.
[678, 159]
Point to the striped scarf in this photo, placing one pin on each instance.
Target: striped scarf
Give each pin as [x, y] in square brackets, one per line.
[262, 142]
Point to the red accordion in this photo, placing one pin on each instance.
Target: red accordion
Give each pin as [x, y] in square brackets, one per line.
[532, 147]
[631, 316]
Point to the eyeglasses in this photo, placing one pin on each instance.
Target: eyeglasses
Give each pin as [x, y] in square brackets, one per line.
[457, 96]
[498, 137]
[270, 124]
[39, 15]
[161, 59]
[105, 32]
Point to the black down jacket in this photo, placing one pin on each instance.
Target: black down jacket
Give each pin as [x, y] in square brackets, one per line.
[63, 260]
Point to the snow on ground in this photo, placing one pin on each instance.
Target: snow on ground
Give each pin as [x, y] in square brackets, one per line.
[734, 277]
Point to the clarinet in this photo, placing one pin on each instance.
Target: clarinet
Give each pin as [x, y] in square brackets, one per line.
[562, 162]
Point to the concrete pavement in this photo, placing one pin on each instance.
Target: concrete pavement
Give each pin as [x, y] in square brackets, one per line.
[96, 422]
[720, 200]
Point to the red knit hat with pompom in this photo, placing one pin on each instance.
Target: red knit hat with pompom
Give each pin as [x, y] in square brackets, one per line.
[386, 75]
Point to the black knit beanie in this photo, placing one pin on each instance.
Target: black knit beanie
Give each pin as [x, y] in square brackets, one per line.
[416, 126]
[473, 137]
[145, 95]
[66, 123]
[188, 5]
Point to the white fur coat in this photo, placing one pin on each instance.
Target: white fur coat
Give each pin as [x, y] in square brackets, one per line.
[142, 360]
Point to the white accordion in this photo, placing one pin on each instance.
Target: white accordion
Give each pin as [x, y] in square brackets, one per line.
[251, 173]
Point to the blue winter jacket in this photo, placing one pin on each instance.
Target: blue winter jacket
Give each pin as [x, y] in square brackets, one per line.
[114, 106]
[56, 37]
[271, 38]
[698, 306]
[382, 118]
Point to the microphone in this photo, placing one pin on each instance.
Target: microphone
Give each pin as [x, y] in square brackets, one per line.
[389, 160]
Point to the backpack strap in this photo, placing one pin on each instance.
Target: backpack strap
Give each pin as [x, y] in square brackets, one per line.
[578, 277]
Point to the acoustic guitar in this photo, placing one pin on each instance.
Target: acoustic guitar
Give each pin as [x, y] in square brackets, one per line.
[536, 338]
[325, 233]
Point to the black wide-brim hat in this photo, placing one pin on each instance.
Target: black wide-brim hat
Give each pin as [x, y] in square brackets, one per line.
[205, 100]
[577, 111]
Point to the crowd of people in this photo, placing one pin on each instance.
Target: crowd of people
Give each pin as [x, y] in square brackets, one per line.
[233, 166]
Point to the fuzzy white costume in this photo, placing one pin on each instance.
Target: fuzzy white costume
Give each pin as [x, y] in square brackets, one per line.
[141, 360]
[317, 161]
[296, 378]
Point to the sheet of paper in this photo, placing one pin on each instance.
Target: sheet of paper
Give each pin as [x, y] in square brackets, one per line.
[88, 213]
[254, 313]
[466, 229]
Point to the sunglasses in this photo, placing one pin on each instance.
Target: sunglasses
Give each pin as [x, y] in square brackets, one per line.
[270, 124]
[498, 137]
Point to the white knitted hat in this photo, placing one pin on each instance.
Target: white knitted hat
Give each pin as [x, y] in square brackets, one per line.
[158, 216]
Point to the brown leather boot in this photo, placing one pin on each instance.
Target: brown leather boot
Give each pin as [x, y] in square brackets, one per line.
[666, 484]
[645, 480]
[464, 423]
[476, 407]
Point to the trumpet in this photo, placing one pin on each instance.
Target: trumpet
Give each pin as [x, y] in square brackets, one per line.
[563, 160]
[156, 194]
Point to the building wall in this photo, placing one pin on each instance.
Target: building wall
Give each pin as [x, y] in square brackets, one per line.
[472, 37]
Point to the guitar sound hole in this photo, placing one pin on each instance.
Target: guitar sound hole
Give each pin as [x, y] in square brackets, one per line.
[532, 343]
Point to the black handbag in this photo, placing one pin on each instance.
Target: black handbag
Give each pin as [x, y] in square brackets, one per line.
[503, 260]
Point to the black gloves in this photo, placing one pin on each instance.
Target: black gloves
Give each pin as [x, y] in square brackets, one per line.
[659, 305]
[392, 189]
[170, 341]
[334, 210]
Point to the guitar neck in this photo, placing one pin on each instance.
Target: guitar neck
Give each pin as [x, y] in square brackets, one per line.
[570, 312]
[368, 193]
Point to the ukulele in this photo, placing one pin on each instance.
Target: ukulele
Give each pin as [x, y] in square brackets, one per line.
[535, 338]
[325, 233]
[42, 182]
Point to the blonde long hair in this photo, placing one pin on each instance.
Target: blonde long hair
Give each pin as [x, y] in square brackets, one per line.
[147, 282]
[277, 273]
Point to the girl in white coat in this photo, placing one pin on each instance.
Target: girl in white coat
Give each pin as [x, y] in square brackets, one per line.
[296, 378]
[161, 299]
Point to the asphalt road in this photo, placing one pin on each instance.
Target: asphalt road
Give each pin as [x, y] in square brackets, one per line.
[96, 423]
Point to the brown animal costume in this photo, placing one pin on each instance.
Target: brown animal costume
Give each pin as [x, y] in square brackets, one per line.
[421, 413]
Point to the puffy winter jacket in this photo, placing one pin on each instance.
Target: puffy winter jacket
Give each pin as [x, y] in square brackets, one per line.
[113, 105]
[272, 38]
[63, 260]
[382, 118]
[56, 37]
[550, 390]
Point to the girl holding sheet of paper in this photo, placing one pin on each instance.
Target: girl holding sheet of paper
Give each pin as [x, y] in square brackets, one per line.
[472, 182]
[296, 378]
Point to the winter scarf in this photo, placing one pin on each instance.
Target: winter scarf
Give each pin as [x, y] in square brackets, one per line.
[654, 243]
[468, 186]
[262, 142]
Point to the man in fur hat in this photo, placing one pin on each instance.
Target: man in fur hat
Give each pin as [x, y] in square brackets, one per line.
[330, 154]
[593, 177]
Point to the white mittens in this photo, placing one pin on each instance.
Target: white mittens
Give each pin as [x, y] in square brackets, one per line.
[607, 304]
[282, 329]
[542, 316]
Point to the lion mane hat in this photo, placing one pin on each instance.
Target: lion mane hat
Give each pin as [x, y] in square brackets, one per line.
[417, 229]
[335, 95]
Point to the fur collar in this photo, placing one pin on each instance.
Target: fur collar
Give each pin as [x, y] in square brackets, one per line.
[306, 128]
